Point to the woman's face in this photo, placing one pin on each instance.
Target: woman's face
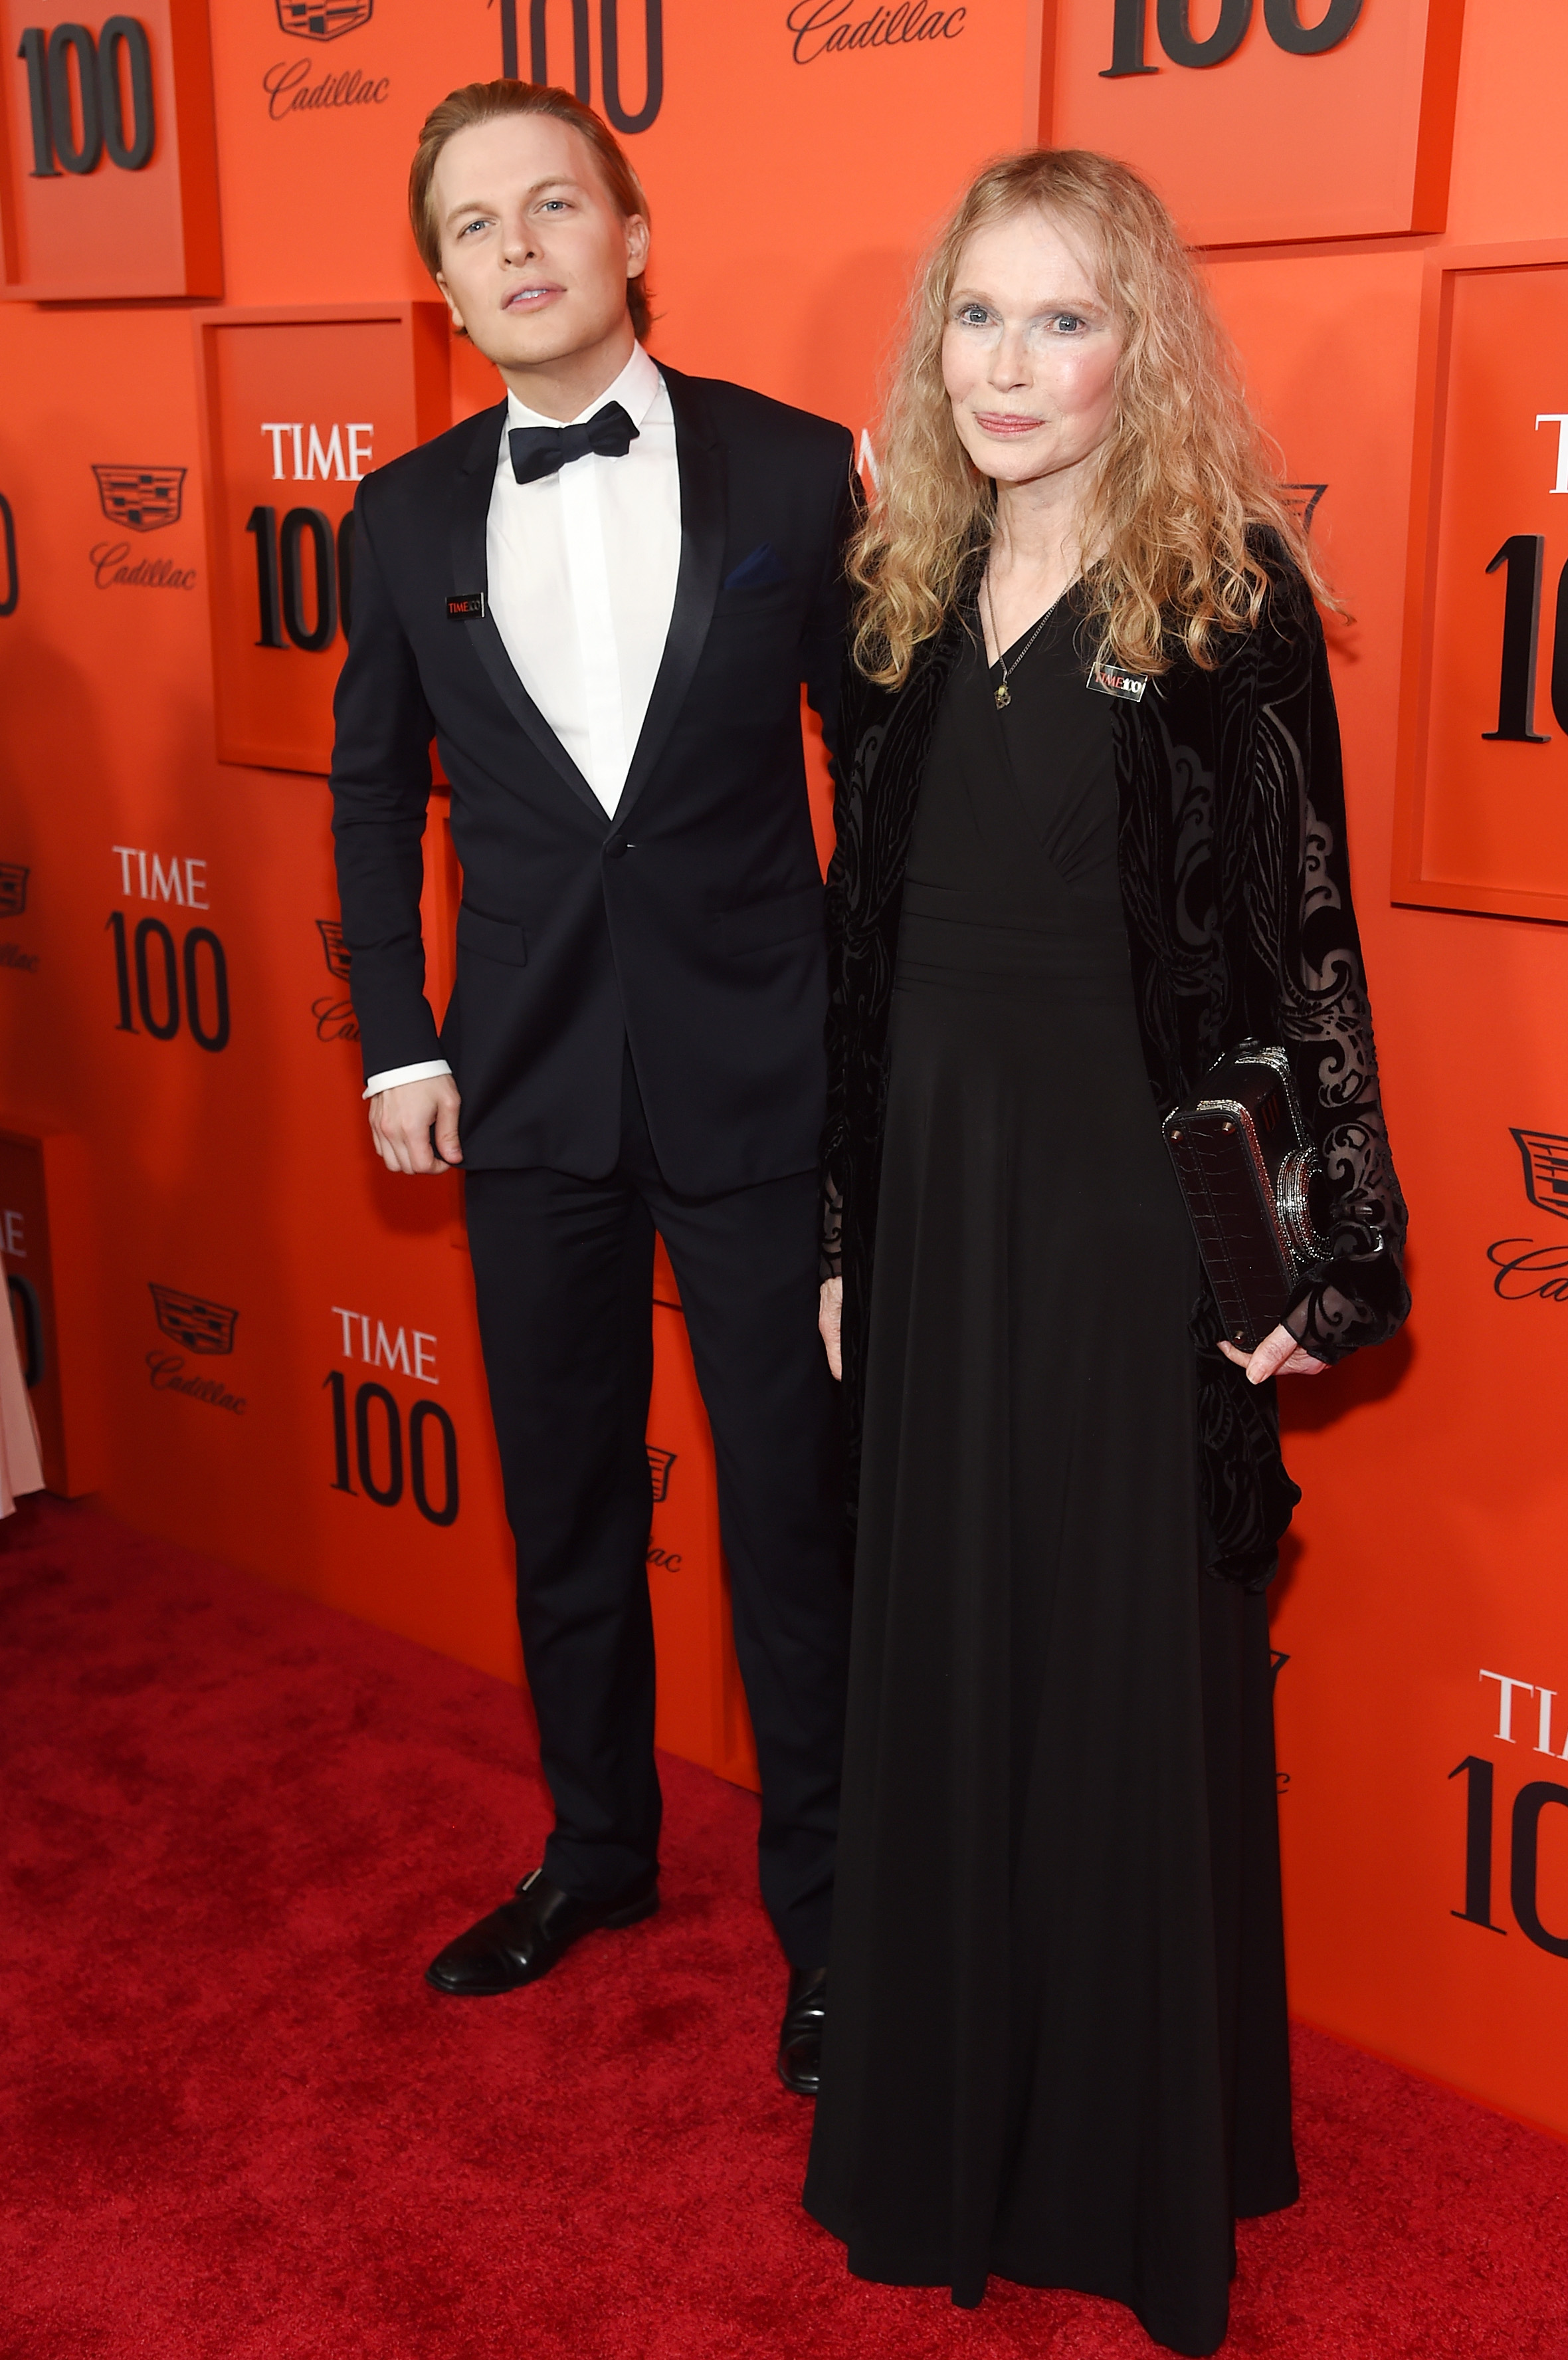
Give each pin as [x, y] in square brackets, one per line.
[1030, 352]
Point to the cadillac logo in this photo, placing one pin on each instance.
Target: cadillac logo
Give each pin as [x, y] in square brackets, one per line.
[334, 1018]
[337, 957]
[323, 20]
[660, 1463]
[1545, 1155]
[146, 498]
[191, 1320]
[13, 888]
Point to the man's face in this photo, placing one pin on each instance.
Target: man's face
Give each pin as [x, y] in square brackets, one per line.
[535, 257]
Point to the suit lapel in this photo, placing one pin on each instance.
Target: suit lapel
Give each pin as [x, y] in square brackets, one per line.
[470, 571]
[703, 517]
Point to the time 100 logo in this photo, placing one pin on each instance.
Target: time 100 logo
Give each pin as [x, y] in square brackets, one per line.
[1521, 561]
[109, 96]
[1173, 23]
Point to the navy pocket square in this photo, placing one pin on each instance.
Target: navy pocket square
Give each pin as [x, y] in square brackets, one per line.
[759, 571]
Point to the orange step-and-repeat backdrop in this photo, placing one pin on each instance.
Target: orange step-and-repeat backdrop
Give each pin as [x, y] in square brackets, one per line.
[247, 1337]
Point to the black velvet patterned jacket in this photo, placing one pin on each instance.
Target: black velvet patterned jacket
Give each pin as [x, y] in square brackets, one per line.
[1235, 887]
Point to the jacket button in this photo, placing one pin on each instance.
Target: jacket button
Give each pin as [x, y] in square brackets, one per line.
[614, 849]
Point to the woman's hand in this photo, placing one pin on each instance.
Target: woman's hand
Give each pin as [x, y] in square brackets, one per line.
[1279, 1355]
[830, 1320]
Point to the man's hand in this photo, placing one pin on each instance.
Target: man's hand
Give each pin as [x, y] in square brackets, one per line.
[830, 1320]
[1279, 1355]
[402, 1119]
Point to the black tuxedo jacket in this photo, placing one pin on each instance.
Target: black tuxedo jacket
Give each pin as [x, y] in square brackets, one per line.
[690, 922]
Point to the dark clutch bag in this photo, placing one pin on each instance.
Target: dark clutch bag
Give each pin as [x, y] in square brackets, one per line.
[1255, 1186]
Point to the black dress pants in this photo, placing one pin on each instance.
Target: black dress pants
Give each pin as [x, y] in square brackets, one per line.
[563, 1273]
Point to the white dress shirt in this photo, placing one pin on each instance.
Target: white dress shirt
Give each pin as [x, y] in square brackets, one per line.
[583, 566]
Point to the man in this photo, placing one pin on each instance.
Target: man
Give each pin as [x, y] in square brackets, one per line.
[601, 599]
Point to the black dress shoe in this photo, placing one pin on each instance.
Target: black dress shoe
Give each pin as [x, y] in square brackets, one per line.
[523, 1940]
[800, 2034]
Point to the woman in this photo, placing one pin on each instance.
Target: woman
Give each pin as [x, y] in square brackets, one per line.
[1091, 837]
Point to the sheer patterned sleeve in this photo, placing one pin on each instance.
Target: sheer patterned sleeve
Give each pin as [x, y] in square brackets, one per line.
[1304, 929]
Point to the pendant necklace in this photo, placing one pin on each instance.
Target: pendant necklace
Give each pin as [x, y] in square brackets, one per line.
[1004, 694]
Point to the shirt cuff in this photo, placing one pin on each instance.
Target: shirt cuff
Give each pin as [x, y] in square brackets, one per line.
[396, 1073]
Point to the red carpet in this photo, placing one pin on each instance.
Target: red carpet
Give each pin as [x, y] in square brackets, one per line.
[238, 2124]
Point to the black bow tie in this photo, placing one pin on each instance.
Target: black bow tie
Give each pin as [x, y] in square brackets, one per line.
[544, 450]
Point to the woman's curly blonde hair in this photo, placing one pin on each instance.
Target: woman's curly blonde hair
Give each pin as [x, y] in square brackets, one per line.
[1183, 478]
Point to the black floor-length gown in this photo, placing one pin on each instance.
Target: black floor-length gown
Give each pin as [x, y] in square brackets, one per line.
[1057, 2044]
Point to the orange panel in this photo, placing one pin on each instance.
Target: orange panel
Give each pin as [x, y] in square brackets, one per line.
[1249, 139]
[1485, 755]
[108, 171]
[1509, 178]
[296, 407]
